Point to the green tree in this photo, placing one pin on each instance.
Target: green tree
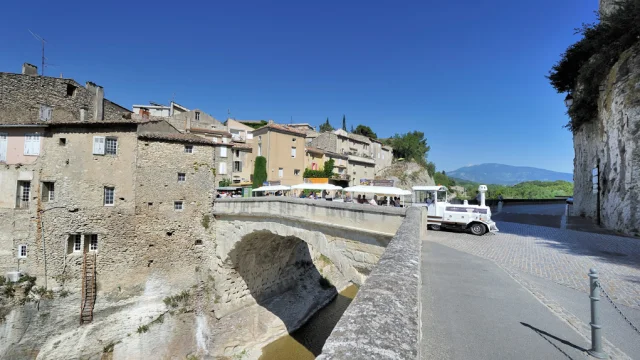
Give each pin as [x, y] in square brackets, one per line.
[411, 146]
[431, 168]
[328, 168]
[326, 127]
[365, 131]
[259, 171]
[344, 123]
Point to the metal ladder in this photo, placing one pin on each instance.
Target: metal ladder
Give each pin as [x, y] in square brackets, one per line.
[88, 288]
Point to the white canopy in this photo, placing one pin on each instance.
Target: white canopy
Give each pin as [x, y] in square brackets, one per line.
[272, 188]
[385, 190]
[430, 188]
[306, 186]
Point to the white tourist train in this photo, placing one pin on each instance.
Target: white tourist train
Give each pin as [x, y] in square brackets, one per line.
[442, 214]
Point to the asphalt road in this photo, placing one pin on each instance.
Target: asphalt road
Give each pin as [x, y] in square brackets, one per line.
[472, 309]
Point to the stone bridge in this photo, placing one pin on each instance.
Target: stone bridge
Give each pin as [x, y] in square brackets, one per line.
[268, 246]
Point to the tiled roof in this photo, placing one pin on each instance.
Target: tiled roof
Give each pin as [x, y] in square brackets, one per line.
[241, 146]
[282, 128]
[314, 150]
[184, 138]
[211, 131]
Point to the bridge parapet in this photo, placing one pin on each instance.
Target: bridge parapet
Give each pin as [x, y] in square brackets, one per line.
[349, 216]
[383, 321]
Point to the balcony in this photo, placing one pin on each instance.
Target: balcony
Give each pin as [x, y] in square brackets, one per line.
[345, 177]
[239, 137]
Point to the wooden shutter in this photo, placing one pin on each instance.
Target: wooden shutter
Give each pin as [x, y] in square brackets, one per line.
[3, 146]
[223, 151]
[35, 144]
[223, 168]
[98, 145]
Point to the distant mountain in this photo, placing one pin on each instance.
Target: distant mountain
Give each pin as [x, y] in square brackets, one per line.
[506, 174]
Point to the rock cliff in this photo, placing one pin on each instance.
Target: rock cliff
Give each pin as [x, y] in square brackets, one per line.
[611, 142]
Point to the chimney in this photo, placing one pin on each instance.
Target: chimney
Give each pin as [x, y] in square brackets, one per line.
[97, 92]
[28, 69]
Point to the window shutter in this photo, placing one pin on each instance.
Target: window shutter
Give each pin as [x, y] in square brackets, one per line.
[223, 151]
[35, 145]
[98, 145]
[27, 144]
[223, 168]
[3, 146]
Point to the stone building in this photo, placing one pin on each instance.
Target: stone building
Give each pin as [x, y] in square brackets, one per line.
[158, 110]
[382, 155]
[83, 175]
[357, 148]
[316, 158]
[243, 163]
[283, 147]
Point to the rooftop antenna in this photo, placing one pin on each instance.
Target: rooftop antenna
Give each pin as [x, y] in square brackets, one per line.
[39, 38]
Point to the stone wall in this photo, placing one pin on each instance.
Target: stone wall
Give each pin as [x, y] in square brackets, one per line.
[611, 141]
[383, 321]
[22, 95]
[174, 242]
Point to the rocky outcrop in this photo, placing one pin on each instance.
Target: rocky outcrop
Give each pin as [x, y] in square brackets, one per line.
[406, 174]
[611, 142]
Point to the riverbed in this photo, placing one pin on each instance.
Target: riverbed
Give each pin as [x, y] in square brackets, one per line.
[306, 343]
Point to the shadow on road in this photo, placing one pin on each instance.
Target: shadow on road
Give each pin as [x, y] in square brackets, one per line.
[545, 335]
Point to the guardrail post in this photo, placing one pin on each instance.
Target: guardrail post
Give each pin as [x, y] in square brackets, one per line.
[596, 328]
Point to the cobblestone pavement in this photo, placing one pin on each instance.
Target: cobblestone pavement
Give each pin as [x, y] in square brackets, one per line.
[562, 256]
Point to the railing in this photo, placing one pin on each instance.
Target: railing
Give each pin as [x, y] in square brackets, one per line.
[341, 177]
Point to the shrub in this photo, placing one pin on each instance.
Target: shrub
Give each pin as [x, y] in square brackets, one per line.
[328, 168]
[259, 171]
[143, 329]
[308, 173]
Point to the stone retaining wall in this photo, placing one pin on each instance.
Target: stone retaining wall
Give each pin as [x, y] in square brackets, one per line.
[383, 321]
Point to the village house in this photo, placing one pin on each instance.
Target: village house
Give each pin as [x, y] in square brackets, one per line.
[85, 182]
[315, 159]
[357, 149]
[283, 147]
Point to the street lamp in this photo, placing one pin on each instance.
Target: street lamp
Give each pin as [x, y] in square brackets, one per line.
[568, 101]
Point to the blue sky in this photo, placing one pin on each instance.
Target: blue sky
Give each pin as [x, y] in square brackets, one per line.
[469, 74]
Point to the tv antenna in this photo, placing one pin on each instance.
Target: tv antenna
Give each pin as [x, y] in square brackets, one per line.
[39, 38]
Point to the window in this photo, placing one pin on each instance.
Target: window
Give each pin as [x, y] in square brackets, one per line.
[177, 205]
[198, 242]
[22, 251]
[93, 241]
[74, 244]
[111, 146]
[223, 168]
[4, 139]
[296, 172]
[32, 144]
[48, 191]
[223, 151]
[237, 166]
[98, 145]
[293, 151]
[109, 195]
[71, 90]
[293, 139]
[249, 136]
[188, 149]
[237, 153]
[182, 177]
[45, 112]
[225, 140]
[23, 195]
[198, 115]
[62, 141]
[280, 172]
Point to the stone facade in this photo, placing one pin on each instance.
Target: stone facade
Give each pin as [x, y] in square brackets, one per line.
[610, 143]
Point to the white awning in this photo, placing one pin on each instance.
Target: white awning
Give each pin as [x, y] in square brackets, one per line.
[308, 186]
[384, 190]
[272, 188]
[430, 188]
